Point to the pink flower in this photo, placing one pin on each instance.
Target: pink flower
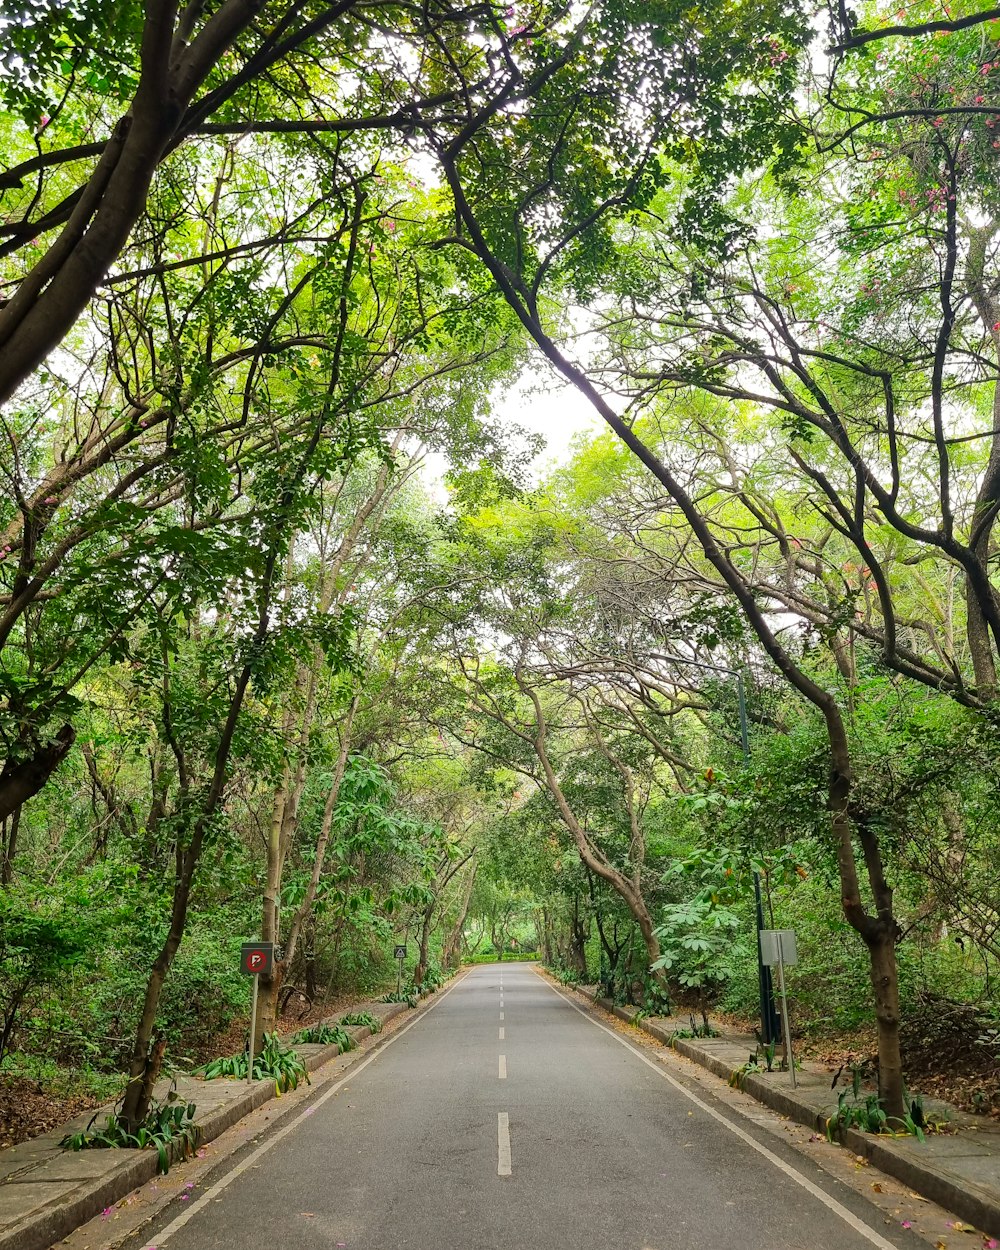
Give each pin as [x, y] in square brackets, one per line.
[390, 226]
[51, 499]
[907, 1224]
[106, 1212]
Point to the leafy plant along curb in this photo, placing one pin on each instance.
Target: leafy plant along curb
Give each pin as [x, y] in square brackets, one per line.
[169, 1129]
[275, 1062]
[867, 1114]
[326, 1035]
[410, 997]
[362, 1019]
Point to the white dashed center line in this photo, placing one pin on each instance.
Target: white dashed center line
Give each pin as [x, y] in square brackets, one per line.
[503, 1067]
[503, 1144]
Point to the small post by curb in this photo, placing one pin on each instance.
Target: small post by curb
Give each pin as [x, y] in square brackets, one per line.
[778, 948]
[256, 960]
[399, 954]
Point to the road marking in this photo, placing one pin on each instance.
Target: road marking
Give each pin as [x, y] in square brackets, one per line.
[213, 1191]
[830, 1203]
[503, 1144]
[501, 1015]
[503, 1067]
[501, 1033]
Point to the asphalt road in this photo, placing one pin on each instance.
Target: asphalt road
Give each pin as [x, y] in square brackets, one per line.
[505, 1118]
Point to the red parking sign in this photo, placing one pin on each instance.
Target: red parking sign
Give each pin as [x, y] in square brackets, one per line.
[257, 959]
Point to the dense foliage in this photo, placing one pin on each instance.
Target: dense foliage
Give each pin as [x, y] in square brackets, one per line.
[297, 642]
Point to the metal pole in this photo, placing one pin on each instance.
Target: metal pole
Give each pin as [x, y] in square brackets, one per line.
[253, 1030]
[770, 1025]
[399, 977]
[784, 1011]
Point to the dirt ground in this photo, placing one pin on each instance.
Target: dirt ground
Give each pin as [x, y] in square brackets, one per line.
[27, 1108]
[951, 1051]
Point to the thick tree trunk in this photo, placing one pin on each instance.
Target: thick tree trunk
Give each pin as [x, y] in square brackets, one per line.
[879, 932]
[146, 1060]
[310, 959]
[885, 984]
[577, 940]
[10, 831]
[20, 779]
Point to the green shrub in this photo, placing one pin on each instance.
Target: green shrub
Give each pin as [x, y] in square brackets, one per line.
[363, 1019]
[275, 1062]
[325, 1035]
[169, 1129]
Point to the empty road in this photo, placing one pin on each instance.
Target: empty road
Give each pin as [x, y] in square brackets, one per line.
[506, 1118]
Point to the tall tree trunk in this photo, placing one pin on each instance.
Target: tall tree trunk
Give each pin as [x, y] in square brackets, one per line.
[423, 949]
[880, 932]
[9, 846]
[453, 942]
[590, 854]
[577, 940]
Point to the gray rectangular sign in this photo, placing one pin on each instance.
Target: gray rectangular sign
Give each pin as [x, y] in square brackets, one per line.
[778, 945]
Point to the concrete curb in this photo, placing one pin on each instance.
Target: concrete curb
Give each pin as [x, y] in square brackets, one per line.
[132, 1168]
[906, 1159]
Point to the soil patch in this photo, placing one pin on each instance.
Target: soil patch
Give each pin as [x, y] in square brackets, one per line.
[27, 1109]
[950, 1051]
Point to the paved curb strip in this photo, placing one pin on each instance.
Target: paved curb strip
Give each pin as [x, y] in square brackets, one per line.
[44, 1164]
[897, 1157]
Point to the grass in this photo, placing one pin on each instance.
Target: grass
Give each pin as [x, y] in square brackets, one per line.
[83, 1082]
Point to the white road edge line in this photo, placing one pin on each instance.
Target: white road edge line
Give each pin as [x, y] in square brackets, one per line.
[503, 1067]
[831, 1203]
[503, 1144]
[214, 1190]
[501, 1033]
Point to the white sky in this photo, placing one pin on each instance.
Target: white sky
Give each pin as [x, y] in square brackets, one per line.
[551, 408]
[558, 412]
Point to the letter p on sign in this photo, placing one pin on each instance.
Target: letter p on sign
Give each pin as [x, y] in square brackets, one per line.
[257, 959]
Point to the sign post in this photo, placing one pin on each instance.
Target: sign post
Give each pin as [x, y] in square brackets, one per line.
[256, 960]
[399, 954]
[778, 947]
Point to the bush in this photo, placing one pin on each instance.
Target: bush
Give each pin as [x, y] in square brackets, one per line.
[326, 1035]
[275, 1062]
[363, 1019]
